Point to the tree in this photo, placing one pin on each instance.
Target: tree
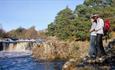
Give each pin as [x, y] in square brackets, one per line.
[93, 3]
[2, 33]
[68, 26]
[51, 29]
[31, 33]
[17, 33]
[61, 25]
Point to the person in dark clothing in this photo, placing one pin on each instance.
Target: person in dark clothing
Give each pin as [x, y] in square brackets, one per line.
[96, 49]
[99, 32]
[92, 48]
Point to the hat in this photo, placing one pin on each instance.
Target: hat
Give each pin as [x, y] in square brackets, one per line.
[95, 15]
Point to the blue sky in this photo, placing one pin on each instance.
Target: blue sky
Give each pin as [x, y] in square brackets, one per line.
[27, 13]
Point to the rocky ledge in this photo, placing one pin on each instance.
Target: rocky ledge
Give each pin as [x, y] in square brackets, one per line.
[106, 64]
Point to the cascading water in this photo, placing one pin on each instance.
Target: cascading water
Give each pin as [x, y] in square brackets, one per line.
[10, 47]
[19, 47]
[16, 49]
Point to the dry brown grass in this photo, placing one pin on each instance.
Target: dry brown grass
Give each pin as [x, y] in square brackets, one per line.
[54, 49]
[113, 35]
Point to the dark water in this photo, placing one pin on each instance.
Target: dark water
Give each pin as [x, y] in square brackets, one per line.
[28, 63]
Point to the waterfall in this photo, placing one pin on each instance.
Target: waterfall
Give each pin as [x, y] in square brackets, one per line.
[16, 48]
[19, 47]
[10, 47]
[23, 46]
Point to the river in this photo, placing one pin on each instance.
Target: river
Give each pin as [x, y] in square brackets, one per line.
[27, 63]
[24, 61]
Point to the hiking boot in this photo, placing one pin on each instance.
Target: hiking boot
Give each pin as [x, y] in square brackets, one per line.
[88, 59]
[101, 59]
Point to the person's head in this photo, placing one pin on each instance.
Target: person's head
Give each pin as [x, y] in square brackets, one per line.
[92, 18]
[95, 16]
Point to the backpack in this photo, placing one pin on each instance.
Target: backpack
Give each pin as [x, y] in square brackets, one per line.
[106, 27]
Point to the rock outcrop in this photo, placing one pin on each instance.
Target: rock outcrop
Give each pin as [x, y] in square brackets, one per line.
[72, 64]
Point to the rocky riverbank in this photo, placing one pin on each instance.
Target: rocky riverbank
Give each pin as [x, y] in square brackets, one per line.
[107, 64]
[72, 52]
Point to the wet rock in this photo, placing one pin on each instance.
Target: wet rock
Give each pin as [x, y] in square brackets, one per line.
[110, 49]
[70, 65]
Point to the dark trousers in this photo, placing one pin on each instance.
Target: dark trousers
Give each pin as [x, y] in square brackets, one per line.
[99, 45]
